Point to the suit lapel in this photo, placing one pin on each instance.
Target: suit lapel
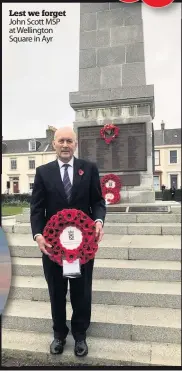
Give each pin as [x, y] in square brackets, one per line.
[76, 177]
[58, 181]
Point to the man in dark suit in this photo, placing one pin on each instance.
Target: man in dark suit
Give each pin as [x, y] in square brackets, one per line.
[59, 185]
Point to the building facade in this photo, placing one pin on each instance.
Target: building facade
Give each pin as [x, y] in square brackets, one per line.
[167, 157]
[21, 157]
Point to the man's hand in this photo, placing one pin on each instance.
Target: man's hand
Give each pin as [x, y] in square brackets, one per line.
[42, 244]
[99, 230]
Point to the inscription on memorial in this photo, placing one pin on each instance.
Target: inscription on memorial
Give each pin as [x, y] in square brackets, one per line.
[126, 153]
[148, 209]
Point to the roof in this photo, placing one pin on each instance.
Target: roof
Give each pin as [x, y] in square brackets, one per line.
[167, 137]
[22, 146]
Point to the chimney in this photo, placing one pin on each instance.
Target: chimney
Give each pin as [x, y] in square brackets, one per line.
[50, 134]
[162, 125]
[163, 129]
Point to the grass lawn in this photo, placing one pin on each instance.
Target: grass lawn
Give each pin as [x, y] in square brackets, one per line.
[11, 210]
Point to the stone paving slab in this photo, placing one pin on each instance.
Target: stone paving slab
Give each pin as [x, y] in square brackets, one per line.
[34, 348]
[111, 252]
[108, 321]
[135, 247]
[111, 228]
[138, 241]
[111, 269]
[130, 293]
[125, 218]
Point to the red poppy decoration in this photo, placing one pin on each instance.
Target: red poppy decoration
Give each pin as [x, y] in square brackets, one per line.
[109, 132]
[81, 172]
[111, 181]
[111, 195]
[72, 235]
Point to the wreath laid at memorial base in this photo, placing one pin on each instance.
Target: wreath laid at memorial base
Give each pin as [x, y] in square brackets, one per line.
[111, 195]
[111, 181]
[72, 234]
[111, 185]
[109, 132]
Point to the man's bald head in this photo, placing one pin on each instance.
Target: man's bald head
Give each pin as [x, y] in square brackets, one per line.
[65, 131]
[65, 143]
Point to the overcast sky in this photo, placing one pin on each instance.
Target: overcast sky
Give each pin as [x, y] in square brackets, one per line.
[38, 77]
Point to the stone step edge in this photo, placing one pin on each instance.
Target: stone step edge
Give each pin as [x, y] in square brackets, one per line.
[103, 246]
[129, 316]
[95, 287]
[27, 352]
[105, 263]
[130, 229]
[107, 224]
[110, 213]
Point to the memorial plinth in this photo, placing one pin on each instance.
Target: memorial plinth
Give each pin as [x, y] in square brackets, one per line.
[112, 89]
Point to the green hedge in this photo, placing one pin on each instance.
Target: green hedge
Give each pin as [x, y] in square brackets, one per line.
[24, 199]
[15, 199]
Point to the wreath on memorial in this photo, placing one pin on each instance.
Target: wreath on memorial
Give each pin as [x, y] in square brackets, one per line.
[60, 231]
[109, 132]
[111, 195]
[111, 186]
[111, 181]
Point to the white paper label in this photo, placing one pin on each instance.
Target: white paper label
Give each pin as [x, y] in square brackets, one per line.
[71, 238]
[71, 269]
[110, 184]
[109, 196]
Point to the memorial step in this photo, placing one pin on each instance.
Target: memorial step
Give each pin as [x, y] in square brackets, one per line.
[111, 247]
[111, 228]
[142, 218]
[116, 292]
[32, 349]
[125, 218]
[143, 270]
[165, 206]
[143, 228]
[153, 208]
[149, 324]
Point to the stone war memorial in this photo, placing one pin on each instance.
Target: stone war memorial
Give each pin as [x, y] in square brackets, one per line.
[136, 296]
[112, 89]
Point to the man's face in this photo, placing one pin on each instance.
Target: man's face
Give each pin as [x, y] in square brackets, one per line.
[65, 145]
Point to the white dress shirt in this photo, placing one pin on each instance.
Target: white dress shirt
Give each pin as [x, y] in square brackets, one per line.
[70, 173]
[70, 169]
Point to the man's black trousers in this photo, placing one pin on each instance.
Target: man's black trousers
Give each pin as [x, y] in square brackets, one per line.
[80, 296]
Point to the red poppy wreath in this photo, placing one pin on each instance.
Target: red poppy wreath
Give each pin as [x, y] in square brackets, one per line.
[111, 181]
[109, 132]
[111, 195]
[72, 235]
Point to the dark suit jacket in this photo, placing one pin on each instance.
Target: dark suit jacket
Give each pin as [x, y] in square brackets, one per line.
[48, 195]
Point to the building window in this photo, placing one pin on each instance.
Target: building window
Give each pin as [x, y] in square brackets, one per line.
[13, 164]
[30, 184]
[32, 145]
[31, 164]
[174, 181]
[157, 157]
[173, 156]
[156, 182]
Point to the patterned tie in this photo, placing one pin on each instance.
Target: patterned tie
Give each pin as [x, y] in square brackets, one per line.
[67, 182]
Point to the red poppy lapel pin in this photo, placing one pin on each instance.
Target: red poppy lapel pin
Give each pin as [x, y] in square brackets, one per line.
[81, 172]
